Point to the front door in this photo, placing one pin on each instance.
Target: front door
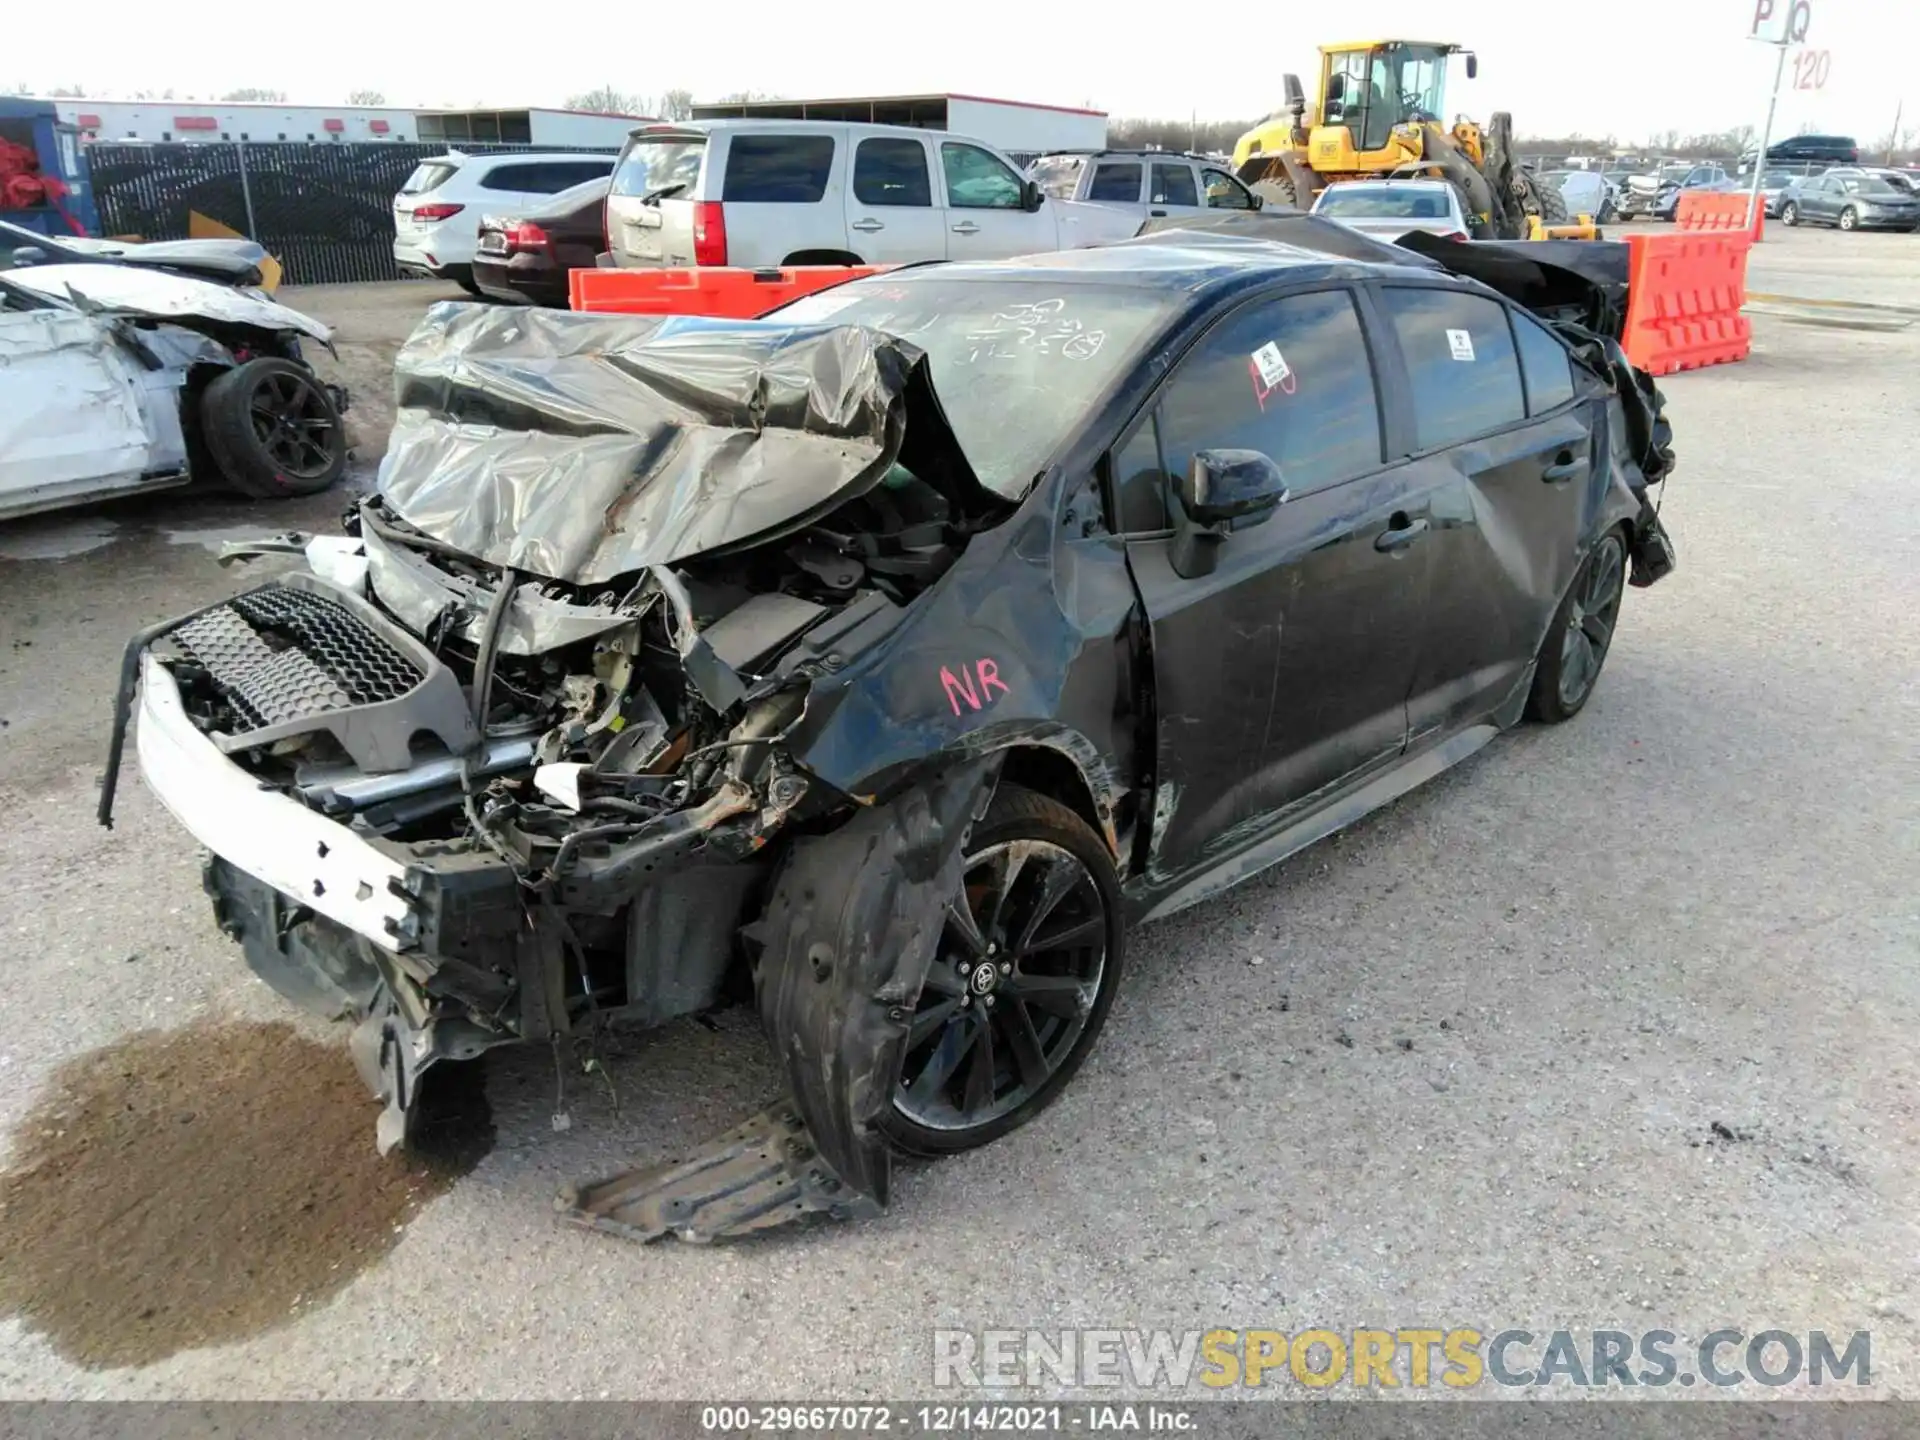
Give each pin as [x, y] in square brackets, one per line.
[892, 218]
[1284, 673]
[987, 218]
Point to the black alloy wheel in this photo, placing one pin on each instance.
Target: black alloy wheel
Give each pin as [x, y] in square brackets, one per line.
[273, 430]
[1576, 644]
[1027, 964]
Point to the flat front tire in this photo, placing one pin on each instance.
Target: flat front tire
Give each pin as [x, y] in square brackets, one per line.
[1026, 969]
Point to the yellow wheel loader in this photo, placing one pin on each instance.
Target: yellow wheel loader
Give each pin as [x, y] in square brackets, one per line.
[1379, 113]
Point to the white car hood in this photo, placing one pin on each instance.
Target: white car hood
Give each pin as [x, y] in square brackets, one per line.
[164, 297]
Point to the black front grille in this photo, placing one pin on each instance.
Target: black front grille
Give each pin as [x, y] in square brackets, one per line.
[279, 654]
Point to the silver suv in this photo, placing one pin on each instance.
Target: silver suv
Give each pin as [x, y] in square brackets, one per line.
[1150, 184]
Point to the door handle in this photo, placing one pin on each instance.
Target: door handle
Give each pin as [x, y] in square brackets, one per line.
[966, 227]
[1161, 214]
[1391, 542]
[1564, 467]
[868, 225]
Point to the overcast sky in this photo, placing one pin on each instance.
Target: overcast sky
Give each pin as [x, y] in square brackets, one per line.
[1629, 67]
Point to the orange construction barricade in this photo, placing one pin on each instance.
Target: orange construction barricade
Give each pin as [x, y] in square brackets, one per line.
[1684, 294]
[1719, 211]
[725, 292]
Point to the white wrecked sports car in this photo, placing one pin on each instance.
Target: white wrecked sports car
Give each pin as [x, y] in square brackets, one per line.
[115, 379]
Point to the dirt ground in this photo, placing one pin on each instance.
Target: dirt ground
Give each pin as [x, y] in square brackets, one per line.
[1609, 1027]
[370, 324]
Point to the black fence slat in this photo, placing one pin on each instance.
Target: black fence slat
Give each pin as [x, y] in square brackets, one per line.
[325, 211]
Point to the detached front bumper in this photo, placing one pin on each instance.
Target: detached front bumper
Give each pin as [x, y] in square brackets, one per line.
[315, 861]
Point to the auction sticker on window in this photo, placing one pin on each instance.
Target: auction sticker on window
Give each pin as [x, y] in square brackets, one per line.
[1461, 343]
[1273, 368]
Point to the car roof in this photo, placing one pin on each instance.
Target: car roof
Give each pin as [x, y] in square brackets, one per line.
[1200, 263]
[516, 157]
[1126, 153]
[1403, 182]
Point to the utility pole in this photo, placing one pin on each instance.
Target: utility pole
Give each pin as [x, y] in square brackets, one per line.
[1893, 139]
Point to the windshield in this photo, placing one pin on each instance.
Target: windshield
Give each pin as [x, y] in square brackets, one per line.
[15, 237]
[654, 165]
[1058, 174]
[1873, 185]
[1016, 363]
[1371, 201]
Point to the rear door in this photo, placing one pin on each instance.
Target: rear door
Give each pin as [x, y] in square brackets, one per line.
[657, 166]
[1501, 438]
[892, 217]
[987, 218]
[1172, 189]
[1284, 673]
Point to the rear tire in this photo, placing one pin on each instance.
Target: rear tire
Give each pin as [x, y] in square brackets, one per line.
[1576, 645]
[1277, 191]
[987, 1052]
[272, 430]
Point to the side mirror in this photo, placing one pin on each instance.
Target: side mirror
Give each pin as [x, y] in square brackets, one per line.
[1473, 65]
[25, 255]
[1032, 197]
[1221, 491]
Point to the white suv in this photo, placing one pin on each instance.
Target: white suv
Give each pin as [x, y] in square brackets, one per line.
[436, 215]
[761, 193]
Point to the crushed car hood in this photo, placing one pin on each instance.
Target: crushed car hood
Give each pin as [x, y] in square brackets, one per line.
[128, 290]
[228, 262]
[584, 447]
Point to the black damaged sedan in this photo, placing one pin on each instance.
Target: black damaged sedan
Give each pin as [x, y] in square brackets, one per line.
[883, 659]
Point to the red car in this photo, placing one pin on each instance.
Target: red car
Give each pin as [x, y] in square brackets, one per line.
[526, 260]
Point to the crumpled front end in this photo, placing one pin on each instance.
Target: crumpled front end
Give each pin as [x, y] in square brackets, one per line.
[462, 802]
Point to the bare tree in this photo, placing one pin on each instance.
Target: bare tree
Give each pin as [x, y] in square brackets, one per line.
[747, 97]
[608, 101]
[253, 93]
[676, 105]
[366, 97]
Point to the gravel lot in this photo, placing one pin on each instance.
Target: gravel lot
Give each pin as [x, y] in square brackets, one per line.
[1698, 904]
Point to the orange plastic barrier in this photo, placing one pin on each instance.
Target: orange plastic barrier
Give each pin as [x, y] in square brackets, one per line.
[1718, 211]
[1684, 298]
[722, 291]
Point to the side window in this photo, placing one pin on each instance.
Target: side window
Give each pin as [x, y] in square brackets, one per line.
[1460, 357]
[1224, 192]
[1289, 377]
[578, 172]
[510, 177]
[891, 172]
[1173, 185]
[977, 180]
[1113, 181]
[778, 169]
[1139, 482]
[1545, 363]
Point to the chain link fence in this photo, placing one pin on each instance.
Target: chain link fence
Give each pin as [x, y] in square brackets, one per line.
[324, 211]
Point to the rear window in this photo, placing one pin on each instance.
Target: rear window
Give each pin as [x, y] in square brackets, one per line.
[1545, 363]
[1115, 182]
[656, 165]
[427, 175]
[543, 177]
[1368, 202]
[778, 169]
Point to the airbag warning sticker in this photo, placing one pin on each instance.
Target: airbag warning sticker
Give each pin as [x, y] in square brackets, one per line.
[1461, 343]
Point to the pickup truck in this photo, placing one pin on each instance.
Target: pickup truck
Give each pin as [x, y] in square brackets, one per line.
[1146, 184]
[761, 193]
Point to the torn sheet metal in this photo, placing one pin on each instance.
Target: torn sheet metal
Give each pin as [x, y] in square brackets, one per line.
[160, 296]
[76, 408]
[584, 447]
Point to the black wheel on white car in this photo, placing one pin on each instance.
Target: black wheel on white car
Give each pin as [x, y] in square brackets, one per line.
[1581, 634]
[1026, 970]
[272, 429]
